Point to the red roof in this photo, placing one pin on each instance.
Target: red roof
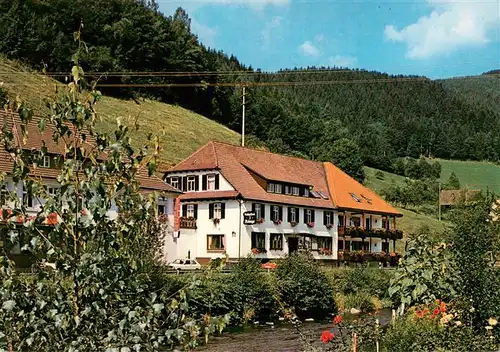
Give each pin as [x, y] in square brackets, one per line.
[242, 167]
[35, 141]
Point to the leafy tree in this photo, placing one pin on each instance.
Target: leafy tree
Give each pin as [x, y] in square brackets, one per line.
[102, 295]
[345, 154]
[453, 182]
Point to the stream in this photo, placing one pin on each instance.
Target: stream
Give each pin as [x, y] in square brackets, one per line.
[277, 338]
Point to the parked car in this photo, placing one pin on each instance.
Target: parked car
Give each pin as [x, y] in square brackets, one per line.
[184, 264]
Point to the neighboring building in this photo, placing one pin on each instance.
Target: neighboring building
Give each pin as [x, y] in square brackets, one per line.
[299, 204]
[450, 197]
[49, 170]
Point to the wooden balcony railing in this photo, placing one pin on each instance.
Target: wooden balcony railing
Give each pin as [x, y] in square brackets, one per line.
[188, 223]
[392, 234]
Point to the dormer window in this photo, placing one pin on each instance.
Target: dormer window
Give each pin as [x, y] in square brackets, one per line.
[270, 187]
[45, 162]
[306, 192]
[287, 190]
[278, 188]
[211, 182]
[191, 183]
[174, 182]
[295, 191]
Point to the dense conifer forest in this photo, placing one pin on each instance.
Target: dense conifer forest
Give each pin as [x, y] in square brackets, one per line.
[325, 114]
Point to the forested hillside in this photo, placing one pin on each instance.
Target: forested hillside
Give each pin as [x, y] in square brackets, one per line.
[321, 113]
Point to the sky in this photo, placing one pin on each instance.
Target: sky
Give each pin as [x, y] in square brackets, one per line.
[433, 38]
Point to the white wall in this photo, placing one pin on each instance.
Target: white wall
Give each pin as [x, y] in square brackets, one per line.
[195, 241]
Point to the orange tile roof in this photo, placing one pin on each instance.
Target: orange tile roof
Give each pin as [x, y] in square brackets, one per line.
[35, 141]
[342, 185]
[237, 164]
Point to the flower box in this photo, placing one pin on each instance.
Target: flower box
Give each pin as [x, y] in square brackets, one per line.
[310, 224]
[329, 226]
[293, 223]
[259, 250]
[216, 221]
[325, 251]
[277, 222]
[259, 221]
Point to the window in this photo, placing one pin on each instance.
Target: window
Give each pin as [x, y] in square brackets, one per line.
[259, 210]
[341, 220]
[4, 195]
[293, 214]
[276, 242]
[28, 200]
[287, 190]
[191, 183]
[211, 182]
[324, 243]
[295, 191]
[270, 187]
[306, 192]
[340, 245]
[355, 197]
[358, 246]
[308, 216]
[174, 182]
[386, 223]
[162, 209]
[217, 211]
[215, 242]
[46, 161]
[356, 222]
[276, 213]
[51, 191]
[190, 211]
[385, 247]
[258, 240]
[328, 218]
[278, 188]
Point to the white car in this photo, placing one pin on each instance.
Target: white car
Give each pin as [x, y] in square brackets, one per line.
[184, 264]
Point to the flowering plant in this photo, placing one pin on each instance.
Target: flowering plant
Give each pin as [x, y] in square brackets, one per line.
[325, 251]
[259, 221]
[277, 222]
[310, 224]
[216, 221]
[293, 223]
[258, 250]
[329, 226]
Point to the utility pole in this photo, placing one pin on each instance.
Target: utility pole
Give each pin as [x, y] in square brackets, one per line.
[243, 120]
[439, 201]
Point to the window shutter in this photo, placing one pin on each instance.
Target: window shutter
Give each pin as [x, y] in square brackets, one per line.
[223, 210]
[167, 180]
[184, 183]
[184, 210]
[263, 210]
[253, 207]
[324, 218]
[301, 191]
[289, 214]
[281, 213]
[313, 213]
[197, 183]
[196, 211]
[305, 216]
[216, 181]
[204, 183]
[211, 211]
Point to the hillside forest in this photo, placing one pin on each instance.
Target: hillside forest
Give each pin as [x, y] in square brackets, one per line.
[353, 117]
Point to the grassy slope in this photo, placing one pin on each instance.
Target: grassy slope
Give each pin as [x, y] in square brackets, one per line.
[411, 221]
[473, 174]
[181, 131]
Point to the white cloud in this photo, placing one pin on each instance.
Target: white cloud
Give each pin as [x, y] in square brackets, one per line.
[267, 34]
[205, 34]
[308, 49]
[191, 6]
[450, 26]
[342, 61]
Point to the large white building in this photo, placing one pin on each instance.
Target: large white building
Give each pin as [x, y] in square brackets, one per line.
[298, 204]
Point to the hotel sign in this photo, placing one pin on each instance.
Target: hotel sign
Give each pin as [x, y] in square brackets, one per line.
[249, 218]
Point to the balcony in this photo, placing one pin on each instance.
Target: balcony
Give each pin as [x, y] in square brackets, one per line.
[359, 232]
[188, 223]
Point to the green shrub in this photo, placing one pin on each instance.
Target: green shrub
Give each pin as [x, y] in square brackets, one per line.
[302, 285]
[372, 281]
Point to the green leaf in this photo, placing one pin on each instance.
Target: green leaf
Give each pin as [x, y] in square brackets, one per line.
[41, 124]
[158, 307]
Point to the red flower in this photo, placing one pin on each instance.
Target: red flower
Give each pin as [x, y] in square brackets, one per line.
[442, 307]
[338, 319]
[426, 311]
[435, 312]
[419, 313]
[327, 336]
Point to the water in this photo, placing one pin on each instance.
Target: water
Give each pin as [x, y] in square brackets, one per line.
[278, 338]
